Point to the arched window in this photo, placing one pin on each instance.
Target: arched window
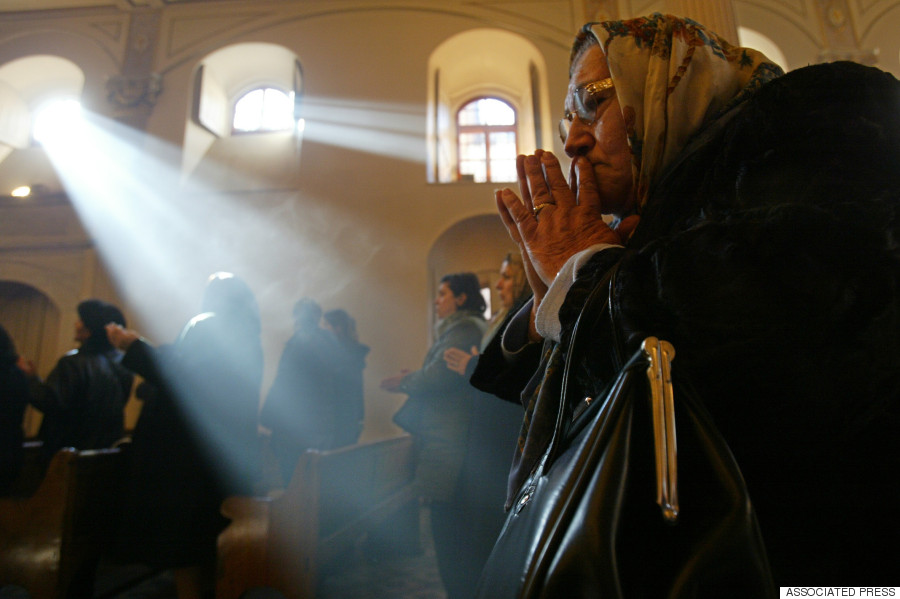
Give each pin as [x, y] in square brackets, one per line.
[241, 91]
[28, 85]
[264, 109]
[486, 134]
[487, 100]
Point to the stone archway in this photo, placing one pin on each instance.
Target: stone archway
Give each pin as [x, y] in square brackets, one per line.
[475, 244]
[32, 320]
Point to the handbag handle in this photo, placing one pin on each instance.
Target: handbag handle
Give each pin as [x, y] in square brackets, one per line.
[662, 404]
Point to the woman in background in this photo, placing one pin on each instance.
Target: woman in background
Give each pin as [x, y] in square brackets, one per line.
[349, 380]
[439, 410]
[491, 443]
[196, 440]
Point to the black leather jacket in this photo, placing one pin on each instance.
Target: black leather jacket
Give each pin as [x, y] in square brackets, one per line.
[83, 399]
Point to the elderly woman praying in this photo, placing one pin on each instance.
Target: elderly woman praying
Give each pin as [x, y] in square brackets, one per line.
[752, 218]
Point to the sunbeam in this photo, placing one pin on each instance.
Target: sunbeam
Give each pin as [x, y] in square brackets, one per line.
[379, 128]
[161, 239]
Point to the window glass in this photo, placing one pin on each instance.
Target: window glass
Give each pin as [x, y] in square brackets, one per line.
[476, 168]
[487, 111]
[487, 140]
[472, 146]
[264, 109]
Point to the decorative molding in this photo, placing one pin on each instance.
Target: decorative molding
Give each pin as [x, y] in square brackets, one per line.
[864, 6]
[61, 32]
[111, 29]
[795, 11]
[17, 225]
[862, 56]
[188, 32]
[870, 13]
[129, 92]
[838, 32]
[802, 15]
[638, 8]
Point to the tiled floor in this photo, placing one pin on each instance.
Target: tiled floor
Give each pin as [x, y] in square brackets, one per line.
[395, 577]
[357, 576]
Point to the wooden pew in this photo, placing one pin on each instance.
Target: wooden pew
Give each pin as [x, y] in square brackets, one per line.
[33, 467]
[333, 499]
[50, 542]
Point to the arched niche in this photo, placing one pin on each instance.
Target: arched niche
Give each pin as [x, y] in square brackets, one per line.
[215, 158]
[32, 319]
[475, 244]
[794, 39]
[751, 38]
[27, 84]
[491, 63]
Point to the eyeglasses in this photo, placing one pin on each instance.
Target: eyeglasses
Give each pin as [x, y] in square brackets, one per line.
[587, 100]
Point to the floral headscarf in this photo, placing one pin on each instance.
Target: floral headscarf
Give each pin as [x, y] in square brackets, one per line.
[672, 77]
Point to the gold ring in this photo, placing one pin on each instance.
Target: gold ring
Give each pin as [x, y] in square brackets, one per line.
[539, 207]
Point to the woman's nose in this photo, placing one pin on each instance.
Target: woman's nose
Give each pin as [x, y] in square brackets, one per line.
[579, 140]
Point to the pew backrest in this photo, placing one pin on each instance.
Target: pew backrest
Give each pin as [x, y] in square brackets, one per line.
[333, 499]
[46, 539]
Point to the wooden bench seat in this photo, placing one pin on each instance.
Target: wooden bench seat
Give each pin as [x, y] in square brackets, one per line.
[334, 498]
[50, 542]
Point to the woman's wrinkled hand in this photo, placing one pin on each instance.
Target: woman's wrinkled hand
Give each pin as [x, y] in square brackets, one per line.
[554, 219]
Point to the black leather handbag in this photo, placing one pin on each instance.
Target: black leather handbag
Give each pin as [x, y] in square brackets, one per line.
[619, 506]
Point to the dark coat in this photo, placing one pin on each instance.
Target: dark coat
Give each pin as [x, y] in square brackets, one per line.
[444, 400]
[349, 393]
[301, 408]
[195, 441]
[13, 400]
[83, 399]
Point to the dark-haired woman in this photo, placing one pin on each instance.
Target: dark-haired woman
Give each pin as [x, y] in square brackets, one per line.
[439, 409]
[481, 490]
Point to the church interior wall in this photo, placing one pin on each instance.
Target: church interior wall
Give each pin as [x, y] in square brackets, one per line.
[344, 212]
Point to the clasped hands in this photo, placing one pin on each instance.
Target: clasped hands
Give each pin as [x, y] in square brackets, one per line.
[554, 219]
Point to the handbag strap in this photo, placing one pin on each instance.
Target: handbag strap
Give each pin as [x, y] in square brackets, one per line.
[658, 355]
[597, 299]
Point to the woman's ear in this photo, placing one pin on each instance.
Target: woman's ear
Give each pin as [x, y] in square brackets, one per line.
[460, 299]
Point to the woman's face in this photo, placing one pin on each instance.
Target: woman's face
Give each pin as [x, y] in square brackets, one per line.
[603, 142]
[445, 303]
[506, 286]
